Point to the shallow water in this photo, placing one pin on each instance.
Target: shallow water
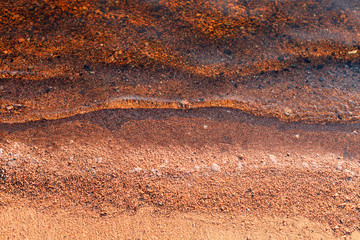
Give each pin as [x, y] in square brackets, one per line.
[294, 60]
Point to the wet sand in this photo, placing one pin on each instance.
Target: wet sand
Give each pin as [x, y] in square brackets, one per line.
[297, 61]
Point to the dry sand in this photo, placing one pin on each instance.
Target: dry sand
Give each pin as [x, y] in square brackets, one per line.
[204, 173]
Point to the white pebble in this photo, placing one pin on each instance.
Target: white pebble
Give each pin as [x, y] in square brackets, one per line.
[137, 169]
[155, 172]
[339, 167]
[215, 167]
[239, 165]
[353, 52]
[304, 164]
[273, 159]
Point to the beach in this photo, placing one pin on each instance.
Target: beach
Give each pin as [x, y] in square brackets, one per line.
[147, 119]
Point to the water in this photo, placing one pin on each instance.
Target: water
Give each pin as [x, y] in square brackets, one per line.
[294, 60]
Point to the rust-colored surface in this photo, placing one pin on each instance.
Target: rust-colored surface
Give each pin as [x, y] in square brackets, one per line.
[169, 119]
[295, 60]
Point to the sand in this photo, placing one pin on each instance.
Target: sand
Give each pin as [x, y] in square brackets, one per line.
[154, 169]
[152, 119]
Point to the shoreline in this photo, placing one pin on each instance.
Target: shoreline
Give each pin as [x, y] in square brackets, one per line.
[196, 160]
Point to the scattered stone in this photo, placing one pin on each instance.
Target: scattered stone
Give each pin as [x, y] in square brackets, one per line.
[2, 174]
[339, 167]
[156, 172]
[273, 159]
[205, 126]
[304, 164]
[353, 52]
[184, 102]
[307, 60]
[215, 167]
[9, 107]
[288, 111]
[136, 170]
[1, 151]
[349, 172]
[228, 52]
[87, 68]
[297, 135]
[239, 165]
[342, 205]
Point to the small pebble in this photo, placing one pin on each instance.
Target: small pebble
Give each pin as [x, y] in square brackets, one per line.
[239, 165]
[228, 52]
[137, 169]
[288, 111]
[87, 68]
[156, 172]
[304, 164]
[273, 159]
[353, 52]
[215, 167]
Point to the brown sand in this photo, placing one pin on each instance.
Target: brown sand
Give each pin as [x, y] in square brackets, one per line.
[152, 119]
[145, 171]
